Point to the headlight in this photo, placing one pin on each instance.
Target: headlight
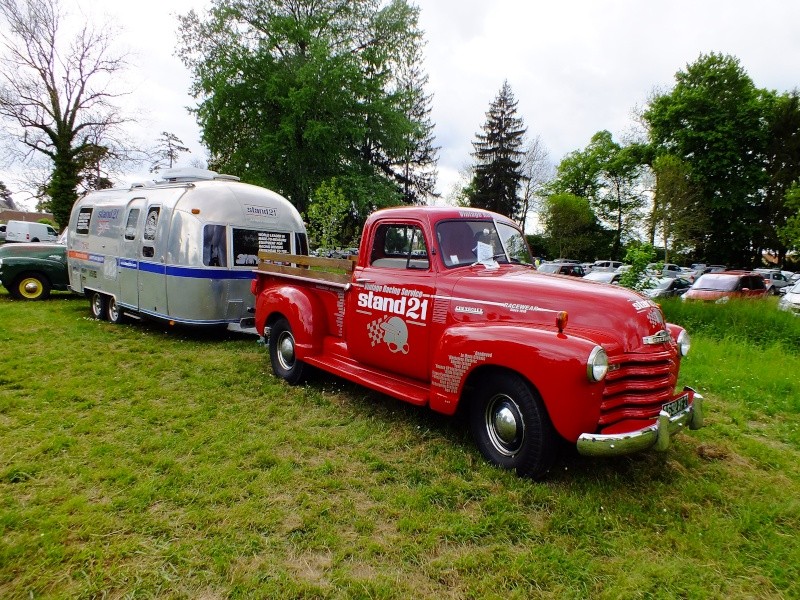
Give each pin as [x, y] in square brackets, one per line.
[597, 365]
[684, 343]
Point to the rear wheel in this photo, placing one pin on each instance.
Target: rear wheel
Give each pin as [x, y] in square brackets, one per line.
[511, 426]
[113, 311]
[282, 353]
[31, 286]
[98, 305]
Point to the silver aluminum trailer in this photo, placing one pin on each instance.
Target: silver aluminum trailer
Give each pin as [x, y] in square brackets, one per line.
[182, 249]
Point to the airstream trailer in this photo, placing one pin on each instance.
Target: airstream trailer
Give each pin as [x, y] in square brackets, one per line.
[181, 249]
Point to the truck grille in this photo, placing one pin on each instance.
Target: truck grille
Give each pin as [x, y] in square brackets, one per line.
[637, 385]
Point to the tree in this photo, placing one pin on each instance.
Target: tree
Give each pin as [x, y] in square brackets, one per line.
[675, 206]
[608, 176]
[327, 214]
[292, 94]
[712, 120]
[782, 168]
[167, 151]
[790, 232]
[498, 157]
[6, 201]
[537, 172]
[56, 94]
[570, 226]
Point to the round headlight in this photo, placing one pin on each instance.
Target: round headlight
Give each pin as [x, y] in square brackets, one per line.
[597, 365]
[684, 343]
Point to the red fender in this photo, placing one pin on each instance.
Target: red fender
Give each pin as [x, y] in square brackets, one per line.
[302, 308]
[554, 364]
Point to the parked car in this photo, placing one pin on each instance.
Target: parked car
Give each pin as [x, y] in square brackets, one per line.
[605, 265]
[721, 287]
[667, 270]
[603, 277]
[27, 231]
[575, 270]
[31, 271]
[2, 233]
[774, 280]
[667, 287]
[791, 299]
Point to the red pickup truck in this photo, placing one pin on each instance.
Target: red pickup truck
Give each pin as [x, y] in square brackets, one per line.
[442, 308]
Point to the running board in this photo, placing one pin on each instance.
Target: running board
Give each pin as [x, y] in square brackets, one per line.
[402, 388]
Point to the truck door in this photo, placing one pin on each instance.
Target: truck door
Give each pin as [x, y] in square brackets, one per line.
[129, 254]
[152, 268]
[389, 308]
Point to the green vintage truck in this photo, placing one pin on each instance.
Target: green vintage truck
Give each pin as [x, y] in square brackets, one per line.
[31, 271]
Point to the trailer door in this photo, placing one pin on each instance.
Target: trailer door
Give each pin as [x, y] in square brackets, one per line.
[129, 255]
[152, 268]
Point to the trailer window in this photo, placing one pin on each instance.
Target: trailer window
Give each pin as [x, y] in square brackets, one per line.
[215, 246]
[150, 224]
[248, 242]
[82, 226]
[130, 225]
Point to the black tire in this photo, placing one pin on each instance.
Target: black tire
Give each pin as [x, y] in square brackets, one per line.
[511, 426]
[31, 286]
[34, 240]
[282, 353]
[113, 312]
[98, 305]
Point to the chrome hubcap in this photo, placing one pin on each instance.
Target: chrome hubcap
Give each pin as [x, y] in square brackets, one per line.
[286, 350]
[504, 425]
[31, 287]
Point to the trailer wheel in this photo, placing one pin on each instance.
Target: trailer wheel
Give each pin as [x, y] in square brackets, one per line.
[511, 426]
[113, 311]
[31, 286]
[282, 353]
[98, 305]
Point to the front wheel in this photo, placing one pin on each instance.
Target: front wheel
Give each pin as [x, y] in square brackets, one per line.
[282, 353]
[31, 286]
[98, 305]
[511, 426]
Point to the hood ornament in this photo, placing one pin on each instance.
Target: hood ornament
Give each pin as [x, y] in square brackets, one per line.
[662, 337]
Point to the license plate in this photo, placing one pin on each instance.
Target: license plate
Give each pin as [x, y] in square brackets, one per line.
[677, 405]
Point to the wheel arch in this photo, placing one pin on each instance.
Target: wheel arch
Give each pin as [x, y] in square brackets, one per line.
[304, 312]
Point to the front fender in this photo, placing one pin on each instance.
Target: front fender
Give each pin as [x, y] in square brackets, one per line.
[303, 310]
[12, 267]
[554, 364]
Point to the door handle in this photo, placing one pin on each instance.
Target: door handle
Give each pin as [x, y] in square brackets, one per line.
[363, 280]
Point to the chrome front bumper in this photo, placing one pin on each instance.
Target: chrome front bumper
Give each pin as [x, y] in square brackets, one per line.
[656, 436]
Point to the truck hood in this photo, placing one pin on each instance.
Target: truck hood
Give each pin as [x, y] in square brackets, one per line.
[618, 318]
[36, 250]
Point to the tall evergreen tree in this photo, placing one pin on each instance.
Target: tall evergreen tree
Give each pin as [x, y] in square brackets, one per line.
[498, 154]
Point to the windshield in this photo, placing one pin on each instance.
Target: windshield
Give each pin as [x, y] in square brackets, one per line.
[711, 281]
[465, 242]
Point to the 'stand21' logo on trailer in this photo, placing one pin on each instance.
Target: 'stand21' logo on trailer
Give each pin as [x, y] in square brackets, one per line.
[105, 218]
[260, 213]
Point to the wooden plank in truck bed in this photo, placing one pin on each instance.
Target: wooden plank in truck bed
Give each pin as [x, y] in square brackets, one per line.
[329, 270]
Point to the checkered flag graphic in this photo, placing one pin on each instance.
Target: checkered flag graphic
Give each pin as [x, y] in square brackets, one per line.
[375, 331]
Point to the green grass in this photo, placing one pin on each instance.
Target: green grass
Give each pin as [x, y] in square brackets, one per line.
[141, 462]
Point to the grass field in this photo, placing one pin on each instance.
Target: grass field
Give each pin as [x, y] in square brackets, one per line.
[142, 462]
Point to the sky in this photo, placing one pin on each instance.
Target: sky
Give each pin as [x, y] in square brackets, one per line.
[575, 67]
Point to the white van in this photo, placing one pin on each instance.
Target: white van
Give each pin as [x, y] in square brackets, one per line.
[182, 249]
[26, 231]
